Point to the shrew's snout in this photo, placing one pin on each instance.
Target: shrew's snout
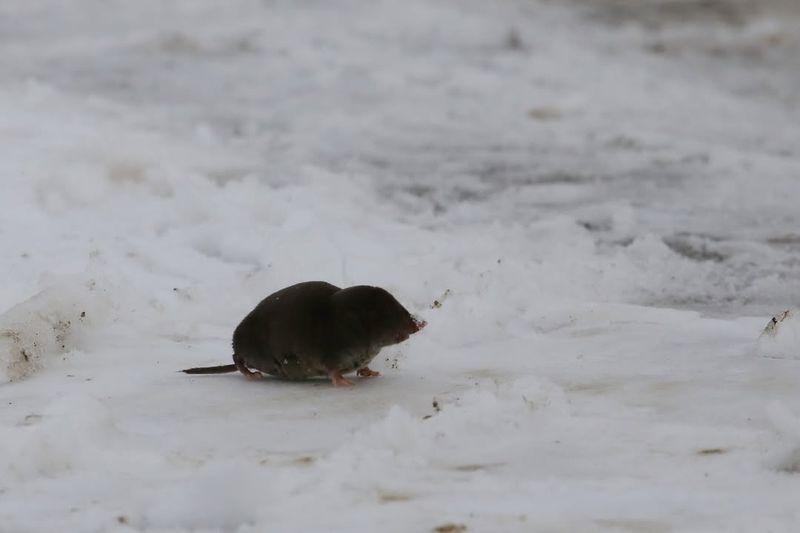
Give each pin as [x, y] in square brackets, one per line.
[417, 324]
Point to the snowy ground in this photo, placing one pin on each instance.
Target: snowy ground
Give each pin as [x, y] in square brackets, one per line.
[608, 190]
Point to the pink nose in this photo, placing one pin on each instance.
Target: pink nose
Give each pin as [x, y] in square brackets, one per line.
[418, 323]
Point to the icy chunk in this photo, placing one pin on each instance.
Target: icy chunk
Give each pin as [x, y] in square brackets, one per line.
[51, 323]
[781, 336]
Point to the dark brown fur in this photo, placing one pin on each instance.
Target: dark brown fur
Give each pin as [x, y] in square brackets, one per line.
[316, 329]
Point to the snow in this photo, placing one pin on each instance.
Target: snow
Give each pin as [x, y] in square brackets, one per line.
[601, 196]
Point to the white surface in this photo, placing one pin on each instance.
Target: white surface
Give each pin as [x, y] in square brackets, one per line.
[614, 210]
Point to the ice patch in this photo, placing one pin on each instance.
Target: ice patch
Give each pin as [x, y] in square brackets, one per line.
[470, 431]
[69, 434]
[787, 457]
[225, 494]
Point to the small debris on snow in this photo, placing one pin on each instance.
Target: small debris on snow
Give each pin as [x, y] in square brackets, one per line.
[450, 528]
[544, 113]
[712, 451]
[391, 497]
[438, 303]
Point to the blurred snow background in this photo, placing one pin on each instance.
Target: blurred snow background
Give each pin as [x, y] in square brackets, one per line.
[608, 190]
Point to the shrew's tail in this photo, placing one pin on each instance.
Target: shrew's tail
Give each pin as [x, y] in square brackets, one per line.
[222, 369]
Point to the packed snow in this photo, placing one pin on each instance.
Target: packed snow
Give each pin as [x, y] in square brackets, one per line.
[593, 204]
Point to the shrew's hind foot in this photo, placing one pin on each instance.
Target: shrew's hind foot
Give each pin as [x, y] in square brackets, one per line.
[249, 374]
[367, 372]
[338, 379]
